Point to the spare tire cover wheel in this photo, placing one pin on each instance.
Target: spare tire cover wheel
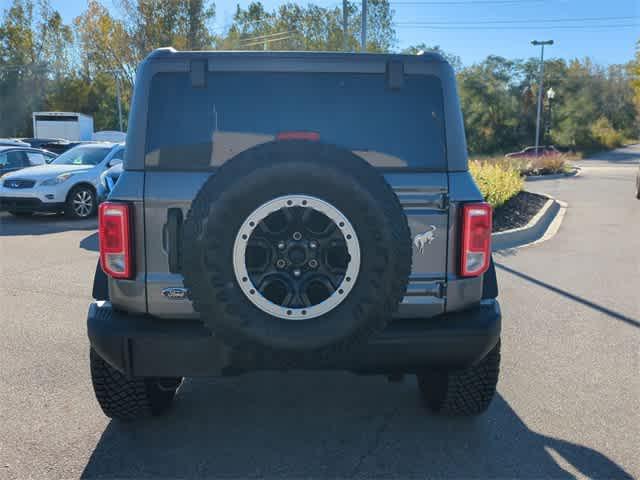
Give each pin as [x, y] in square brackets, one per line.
[298, 257]
[296, 247]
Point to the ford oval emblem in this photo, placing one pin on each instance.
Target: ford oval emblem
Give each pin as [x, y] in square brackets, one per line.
[175, 293]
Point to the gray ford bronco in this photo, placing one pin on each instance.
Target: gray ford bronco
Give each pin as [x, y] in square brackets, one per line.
[283, 211]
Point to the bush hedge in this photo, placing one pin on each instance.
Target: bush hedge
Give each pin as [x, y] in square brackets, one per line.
[498, 181]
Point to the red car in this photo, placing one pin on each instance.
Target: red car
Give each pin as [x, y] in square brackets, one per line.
[542, 151]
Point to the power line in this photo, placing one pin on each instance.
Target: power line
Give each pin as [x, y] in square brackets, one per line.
[528, 21]
[524, 27]
[266, 37]
[262, 42]
[463, 2]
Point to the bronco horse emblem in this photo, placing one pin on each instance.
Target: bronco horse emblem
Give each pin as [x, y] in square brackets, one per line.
[425, 238]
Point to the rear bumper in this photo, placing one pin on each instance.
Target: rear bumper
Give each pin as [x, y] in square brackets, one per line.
[29, 204]
[147, 346]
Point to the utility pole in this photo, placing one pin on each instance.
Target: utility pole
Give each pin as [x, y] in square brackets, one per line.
[119, 102]
[345, 21]
[540, 87]
[116, 77]
[363, 34]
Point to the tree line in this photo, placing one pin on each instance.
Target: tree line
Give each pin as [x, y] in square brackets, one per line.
[46, 64]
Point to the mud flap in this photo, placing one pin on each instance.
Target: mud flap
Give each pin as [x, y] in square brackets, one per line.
[100, 285]
[489, 282]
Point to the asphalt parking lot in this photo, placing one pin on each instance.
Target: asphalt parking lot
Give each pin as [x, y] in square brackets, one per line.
[569, 393]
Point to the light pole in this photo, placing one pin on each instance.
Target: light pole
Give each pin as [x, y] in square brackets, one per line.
[345, 20]
[117, 79]
[551, 94]
[540, 85]
[363, 33]
[119, 101]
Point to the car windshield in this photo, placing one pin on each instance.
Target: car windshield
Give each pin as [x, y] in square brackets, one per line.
[85, 155]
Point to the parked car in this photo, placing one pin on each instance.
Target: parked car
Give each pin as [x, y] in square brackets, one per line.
[109, 136]
[108, 180]
[318, 243]
[14, 158]
[13, 142]
[541, 151]
[55, 145]
[68, 184]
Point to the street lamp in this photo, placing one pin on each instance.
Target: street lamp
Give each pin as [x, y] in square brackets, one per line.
[551, 94]
[542, 43]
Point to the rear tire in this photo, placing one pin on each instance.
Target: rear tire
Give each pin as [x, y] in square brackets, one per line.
[81, 203]
[20, 214]
[464, 392]
[128, 399]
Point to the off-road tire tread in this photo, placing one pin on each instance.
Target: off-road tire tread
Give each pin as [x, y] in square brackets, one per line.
[464, 392]
[122, 398]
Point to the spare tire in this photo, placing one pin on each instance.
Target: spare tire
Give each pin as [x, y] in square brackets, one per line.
[296, 246]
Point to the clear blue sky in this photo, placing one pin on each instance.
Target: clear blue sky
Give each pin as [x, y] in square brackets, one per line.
[458, 29]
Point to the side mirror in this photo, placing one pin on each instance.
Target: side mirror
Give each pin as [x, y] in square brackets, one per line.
[114, 161]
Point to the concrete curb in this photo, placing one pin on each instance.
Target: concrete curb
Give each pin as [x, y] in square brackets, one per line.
[541, 227]
[555, 176]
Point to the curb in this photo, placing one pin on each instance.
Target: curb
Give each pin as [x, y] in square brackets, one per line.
[554, 176]
[540, 228]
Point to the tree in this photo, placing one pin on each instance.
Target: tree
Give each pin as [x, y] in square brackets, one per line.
[293, 27]
[34, 45]
[595, 106]
[112, 47]
[93, 96]
[489, 104]
[634, 73]
[182, 24]
[454, 60]
[105, 44]
[110, 44]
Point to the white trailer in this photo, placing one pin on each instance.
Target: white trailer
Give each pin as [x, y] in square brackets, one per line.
[67, 125]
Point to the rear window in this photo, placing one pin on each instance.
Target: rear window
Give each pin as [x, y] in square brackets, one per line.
[202, 127]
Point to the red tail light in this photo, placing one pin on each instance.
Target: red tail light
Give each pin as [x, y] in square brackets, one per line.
[311, 136]
[476, 239]
[114, 233]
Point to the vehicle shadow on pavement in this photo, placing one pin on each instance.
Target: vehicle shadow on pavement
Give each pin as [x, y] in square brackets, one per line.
[42, 224]
[331, 425]
[90, 242]
[607, 311]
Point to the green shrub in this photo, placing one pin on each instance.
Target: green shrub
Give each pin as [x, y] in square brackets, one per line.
[542, 165]
[605, 135]
[498, 181]
[546, 165]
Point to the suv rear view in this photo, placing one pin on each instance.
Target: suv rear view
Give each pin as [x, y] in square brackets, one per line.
[294, 211]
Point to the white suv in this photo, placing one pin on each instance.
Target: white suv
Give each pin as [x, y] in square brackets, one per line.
[68, 184]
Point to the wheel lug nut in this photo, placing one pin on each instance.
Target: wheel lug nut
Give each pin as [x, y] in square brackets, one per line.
[281, 245]
[313, 263]
[280, 263]
[297, 236]
[297, 273]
